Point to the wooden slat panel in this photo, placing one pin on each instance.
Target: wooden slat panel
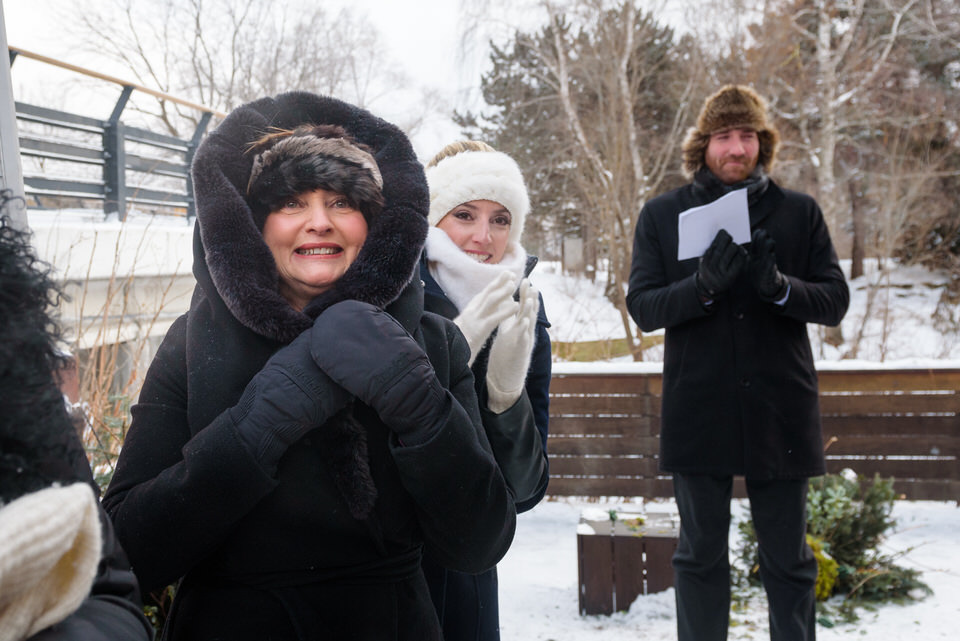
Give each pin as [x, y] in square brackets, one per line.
[880, 380]
[947, 469]
[896, 444]
[585, 446]
[595, 559]
[927, 490]
[605, 425]
[632, 405]
[640, 384]
[857, 407]
[659, 569]
[601, 383]
[628, 571]
[611, 487]
[842, 425]
[873, 404]
[603, 467]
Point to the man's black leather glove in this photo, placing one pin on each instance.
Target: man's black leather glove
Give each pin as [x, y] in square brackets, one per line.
[719, 266]
[286, 399]
[372, 356]
[770, 284]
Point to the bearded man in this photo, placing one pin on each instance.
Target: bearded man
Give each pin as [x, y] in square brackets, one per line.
[739, 385]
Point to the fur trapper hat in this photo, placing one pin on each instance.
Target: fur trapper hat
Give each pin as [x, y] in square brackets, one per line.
[478, 175]
[290, 162]
[733, 106]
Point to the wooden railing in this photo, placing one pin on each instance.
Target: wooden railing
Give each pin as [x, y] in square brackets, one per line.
[904, 424]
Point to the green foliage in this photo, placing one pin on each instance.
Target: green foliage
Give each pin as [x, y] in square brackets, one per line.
[157, 606]
[827, 569]
[850, 522]
[846, 520]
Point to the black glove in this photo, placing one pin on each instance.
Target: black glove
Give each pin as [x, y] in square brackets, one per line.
[719, 266]
[286, 399]
[372, 356]
[770, 284]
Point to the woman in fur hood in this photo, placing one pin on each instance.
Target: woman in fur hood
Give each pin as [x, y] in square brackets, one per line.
[476, 272]
[63, 577]
[305, 430]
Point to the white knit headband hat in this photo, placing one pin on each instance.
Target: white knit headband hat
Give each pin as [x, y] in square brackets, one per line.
[478, 175]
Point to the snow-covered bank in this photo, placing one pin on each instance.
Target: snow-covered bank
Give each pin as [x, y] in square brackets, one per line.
[538, 584]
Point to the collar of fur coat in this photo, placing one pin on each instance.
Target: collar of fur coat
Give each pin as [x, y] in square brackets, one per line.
[230, 257]
[461, 277]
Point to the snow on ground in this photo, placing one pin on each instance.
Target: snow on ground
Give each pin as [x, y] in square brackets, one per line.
[538, 577]
[890, 316]
[538, 583]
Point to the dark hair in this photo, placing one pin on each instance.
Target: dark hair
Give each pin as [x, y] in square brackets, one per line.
[38, 443]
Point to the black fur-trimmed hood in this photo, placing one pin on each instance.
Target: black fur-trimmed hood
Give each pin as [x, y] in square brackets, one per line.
[231, 255]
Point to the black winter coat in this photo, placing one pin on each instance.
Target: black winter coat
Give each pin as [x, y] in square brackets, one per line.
[527, 478]
[113, 611]
[467, 604]
[281, 557]
[739, 385]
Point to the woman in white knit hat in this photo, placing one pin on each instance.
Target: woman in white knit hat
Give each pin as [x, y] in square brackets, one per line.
[475, 271]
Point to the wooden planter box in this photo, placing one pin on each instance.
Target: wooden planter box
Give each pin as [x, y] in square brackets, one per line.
[620, 560]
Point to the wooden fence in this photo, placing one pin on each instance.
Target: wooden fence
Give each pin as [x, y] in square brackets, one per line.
[904, 423]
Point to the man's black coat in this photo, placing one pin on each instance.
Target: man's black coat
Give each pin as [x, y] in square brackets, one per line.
[739, 384]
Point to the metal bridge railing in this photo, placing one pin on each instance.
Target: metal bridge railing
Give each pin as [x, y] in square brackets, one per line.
[107, 160]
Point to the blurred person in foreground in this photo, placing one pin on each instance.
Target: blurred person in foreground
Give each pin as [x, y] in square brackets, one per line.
[739, 384]
[306, 430]
[63, 576]
[475, 271]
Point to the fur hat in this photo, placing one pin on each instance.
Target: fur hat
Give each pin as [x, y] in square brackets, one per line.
[478, 175]
[290, 162]
[731, 107]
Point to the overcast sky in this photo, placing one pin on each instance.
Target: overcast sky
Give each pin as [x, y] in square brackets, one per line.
[423, 36]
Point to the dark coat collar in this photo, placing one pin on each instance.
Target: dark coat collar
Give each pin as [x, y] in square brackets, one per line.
[232, 262]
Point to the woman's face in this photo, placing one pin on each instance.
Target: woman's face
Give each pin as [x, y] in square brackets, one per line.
[314, 237]
[480, 228]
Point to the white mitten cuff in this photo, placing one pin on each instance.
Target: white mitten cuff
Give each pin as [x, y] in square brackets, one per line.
[49, 551]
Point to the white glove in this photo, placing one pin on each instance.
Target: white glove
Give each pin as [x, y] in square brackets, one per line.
[486, 310]
[511, 350]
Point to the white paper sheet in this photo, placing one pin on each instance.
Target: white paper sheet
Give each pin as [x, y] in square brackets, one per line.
[698, 226]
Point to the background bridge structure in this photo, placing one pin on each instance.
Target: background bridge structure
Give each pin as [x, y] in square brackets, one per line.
[110, 205]
[79, 158]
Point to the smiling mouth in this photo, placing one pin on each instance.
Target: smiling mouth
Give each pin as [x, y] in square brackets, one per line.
[480, 258]
[318, 251]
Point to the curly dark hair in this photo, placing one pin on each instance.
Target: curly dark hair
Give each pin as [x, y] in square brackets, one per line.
[38, 444]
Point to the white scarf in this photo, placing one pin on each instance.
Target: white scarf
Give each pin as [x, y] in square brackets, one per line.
[460, 276]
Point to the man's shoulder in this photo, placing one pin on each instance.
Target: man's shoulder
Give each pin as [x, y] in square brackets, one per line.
[669, 202]
[792, 195]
